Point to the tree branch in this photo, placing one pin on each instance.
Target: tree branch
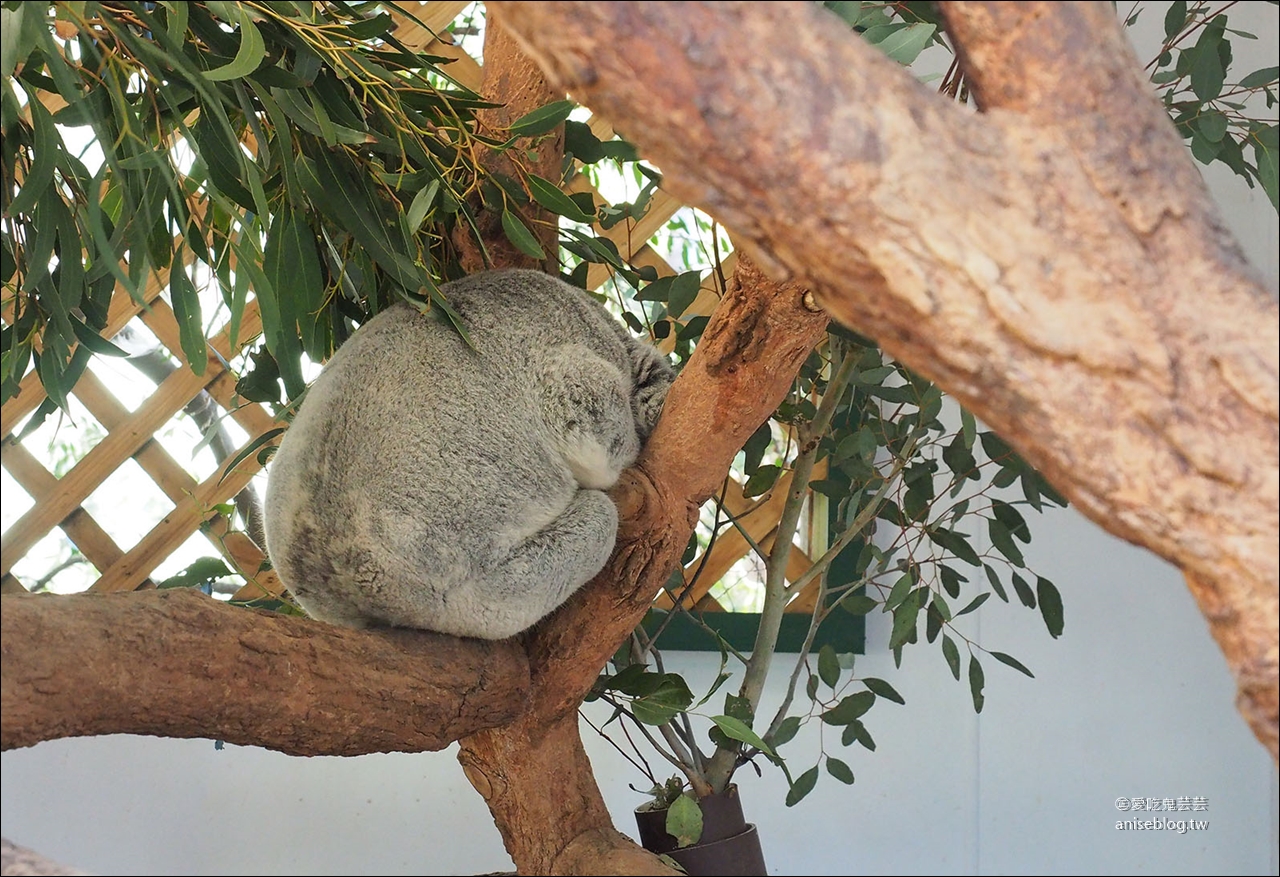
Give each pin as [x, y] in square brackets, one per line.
[1080, 297]
[179, 664]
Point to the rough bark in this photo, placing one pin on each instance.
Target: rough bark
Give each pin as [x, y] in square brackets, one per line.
[527, 771]
[16, 861]
[1055, 262]
[179, 664]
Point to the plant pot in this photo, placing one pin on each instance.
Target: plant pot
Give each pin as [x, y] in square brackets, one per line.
[729, 845]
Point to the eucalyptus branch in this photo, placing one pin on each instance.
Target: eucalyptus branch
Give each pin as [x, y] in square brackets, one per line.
[855, 528]
[724, 761]
[819, 568]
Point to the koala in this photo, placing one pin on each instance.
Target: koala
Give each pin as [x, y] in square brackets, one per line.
[432, 485]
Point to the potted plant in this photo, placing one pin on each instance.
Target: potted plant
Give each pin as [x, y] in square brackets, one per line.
[891, 481]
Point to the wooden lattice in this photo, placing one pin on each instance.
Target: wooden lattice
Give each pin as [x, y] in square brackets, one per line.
[58, 502]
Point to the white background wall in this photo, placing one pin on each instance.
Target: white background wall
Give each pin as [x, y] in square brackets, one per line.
[1134, 700]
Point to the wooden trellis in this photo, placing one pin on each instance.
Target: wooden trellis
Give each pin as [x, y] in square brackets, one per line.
[59, 501]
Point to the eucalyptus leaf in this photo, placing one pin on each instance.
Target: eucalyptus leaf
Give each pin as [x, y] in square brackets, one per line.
[518, 233]
[976, 683]
[802, 786]
[250, 54]
[541, 120]
[1012, 662]
[1050, 606]
[840, 770]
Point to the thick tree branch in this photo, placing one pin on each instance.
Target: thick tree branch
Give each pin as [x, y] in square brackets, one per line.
[1063, 273]
[16, 861]
[179, 664]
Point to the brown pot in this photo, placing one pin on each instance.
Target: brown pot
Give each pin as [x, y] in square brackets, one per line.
[729, 846]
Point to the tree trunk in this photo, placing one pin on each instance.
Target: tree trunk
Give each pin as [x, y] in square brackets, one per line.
[1054, 262]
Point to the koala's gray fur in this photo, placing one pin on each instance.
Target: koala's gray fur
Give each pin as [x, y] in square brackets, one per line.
[430, 485]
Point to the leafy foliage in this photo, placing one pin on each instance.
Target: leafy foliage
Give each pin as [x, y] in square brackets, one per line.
[1216, 115]
[274, 149]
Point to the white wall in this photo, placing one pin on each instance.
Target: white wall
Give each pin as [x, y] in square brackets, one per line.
[1133, 701]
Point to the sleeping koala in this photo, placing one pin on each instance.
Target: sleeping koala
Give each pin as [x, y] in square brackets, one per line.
[427, 484]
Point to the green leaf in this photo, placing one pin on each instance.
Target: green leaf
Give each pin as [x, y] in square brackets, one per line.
[202, 572]
[849, 10]
[901, 588]
[1203, 149]
[1212, 124]
[952, 654]
[973, 604]
[968, 427]
[786, 731]
[186, 310]
[880, 688]
[549, 196]
[1011, 518]
[582, 143]
[684, 289]
[956, 543]
[1012, 662]
[684, 820]
[250, 54]
[1268, 169]
[218, 152]
[519, 234]
[1024, 592]
[46, 145]
[858, 604]
[1174, 18]
[247, 450]
[857, 731]
[828, 666]
[761, 480]
[343, 200]
[753, 450]
[976, 681]
[94, 341]
[995, 583]
[950, 580]
[293, 288]
[1206, 67]
[737, 729]
[904, 619]
[1259, 78]
[541, 120]
[11, 21]
[840, 770]
[1050, 605]
[852, 707]
[905, 45]
[421, 206]
[802, 786]
[1003, 542]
